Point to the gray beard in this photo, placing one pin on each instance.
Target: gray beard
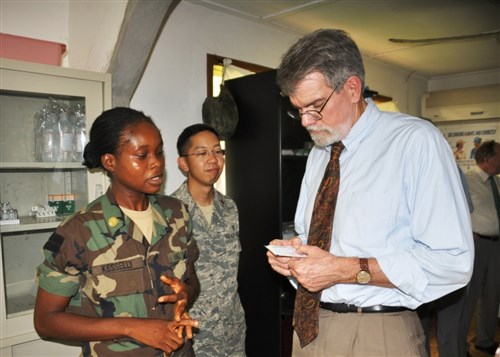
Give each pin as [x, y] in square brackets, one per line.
[325, 136]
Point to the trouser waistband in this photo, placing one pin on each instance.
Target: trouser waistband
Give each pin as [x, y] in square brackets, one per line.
[353, 308]
[493, 238]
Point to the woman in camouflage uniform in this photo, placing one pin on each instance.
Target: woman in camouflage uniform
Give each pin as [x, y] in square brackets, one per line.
[218, 309]
[119, 274]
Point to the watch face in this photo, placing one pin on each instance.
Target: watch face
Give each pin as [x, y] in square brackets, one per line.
[363, 277]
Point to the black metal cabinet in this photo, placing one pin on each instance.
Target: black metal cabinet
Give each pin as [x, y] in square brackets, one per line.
[265, 162]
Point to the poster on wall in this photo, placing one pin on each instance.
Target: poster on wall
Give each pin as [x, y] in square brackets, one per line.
[465, 138]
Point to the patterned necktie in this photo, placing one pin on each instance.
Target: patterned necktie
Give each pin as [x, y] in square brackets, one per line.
[305, 318]
[496, 196]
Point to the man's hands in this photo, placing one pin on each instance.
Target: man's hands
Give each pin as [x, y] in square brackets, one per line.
[280, 264]
[318, 271]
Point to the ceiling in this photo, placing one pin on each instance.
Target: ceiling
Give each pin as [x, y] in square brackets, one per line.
[371, 23]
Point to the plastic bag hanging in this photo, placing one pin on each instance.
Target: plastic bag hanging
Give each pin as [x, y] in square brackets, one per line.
[221, 112]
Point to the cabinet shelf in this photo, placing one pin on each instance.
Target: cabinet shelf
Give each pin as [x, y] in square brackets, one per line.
[41, 165]
[32, 224]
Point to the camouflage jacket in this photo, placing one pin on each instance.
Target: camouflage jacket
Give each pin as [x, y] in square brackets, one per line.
[100, 259]
[218, 308]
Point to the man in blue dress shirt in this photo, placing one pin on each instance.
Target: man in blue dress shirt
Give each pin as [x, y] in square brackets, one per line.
[401, 232]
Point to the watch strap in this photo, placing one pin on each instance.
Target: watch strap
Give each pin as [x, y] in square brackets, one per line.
[363, 264]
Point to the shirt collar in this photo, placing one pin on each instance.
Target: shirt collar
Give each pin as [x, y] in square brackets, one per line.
[185, 195]
[362, 127]
[118, 223]
[484, 176]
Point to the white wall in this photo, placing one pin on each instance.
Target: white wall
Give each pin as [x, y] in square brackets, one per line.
[93, 31]
[43, 20]
[404, 87]
[89, 29]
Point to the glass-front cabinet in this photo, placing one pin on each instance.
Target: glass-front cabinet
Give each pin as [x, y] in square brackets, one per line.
[45, 115]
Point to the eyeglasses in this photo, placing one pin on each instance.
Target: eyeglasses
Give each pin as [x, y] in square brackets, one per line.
[219, 153]
[313, 114]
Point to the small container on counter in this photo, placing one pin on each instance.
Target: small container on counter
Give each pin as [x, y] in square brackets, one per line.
[8, 214]
[57, 200]
[69, 204]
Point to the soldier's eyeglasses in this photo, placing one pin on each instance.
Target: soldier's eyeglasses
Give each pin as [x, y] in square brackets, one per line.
[219, 153]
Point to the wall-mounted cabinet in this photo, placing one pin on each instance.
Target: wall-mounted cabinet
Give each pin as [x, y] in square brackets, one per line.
[27, 181]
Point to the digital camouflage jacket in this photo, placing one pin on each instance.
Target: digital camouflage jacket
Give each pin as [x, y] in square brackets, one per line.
[100, 259]
[218, 309]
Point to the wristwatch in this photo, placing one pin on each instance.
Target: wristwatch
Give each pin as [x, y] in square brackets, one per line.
[363, 276]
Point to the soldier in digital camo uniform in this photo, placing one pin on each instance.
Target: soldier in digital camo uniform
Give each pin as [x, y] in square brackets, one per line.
[218, 309]
[119, 275]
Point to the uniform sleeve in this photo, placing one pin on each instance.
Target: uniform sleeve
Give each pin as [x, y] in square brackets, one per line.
[192, 255]
[59, 274]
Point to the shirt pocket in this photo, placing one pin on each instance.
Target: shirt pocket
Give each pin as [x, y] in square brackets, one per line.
[119, 278]
[233, 242]
[233, 248]
[369, 219]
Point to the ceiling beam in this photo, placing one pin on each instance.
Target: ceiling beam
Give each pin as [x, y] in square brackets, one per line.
[141, 27]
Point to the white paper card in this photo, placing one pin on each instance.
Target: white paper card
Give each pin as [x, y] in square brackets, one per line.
[284, 251]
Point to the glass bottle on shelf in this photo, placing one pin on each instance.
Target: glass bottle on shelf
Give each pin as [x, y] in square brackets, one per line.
[47, 128]
[56, 131]
[80, 131]
[67, 136]
[43, 135]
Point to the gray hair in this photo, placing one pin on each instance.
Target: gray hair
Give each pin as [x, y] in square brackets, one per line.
[330, 52]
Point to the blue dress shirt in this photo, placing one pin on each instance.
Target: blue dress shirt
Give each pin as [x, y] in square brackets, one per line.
[400, 201]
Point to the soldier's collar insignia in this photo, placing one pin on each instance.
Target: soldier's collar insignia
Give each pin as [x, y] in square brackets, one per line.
[113, 221]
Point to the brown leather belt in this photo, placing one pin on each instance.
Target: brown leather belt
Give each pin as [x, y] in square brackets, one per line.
[493, 238]
[342, 308]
